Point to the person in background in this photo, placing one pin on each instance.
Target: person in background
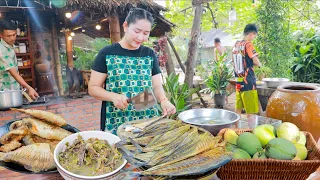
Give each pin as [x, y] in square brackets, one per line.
[219, 50]
[126, 69]
[244, 58]
[9, 74]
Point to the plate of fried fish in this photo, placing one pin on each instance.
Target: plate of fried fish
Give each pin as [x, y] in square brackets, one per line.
[27, 145]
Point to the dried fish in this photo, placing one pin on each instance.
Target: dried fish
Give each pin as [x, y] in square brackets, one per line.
[161, 140]
[10, 146]
[34, 157]
[160, 128]
[168, 150]
[14, 135]
[45, 130]
[198, 145]
[44, 115]
[199, 164]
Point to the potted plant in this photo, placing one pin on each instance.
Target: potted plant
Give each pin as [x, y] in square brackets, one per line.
[218, 80]
[262, 72]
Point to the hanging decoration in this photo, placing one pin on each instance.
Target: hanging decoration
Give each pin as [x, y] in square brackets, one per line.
[159, 48]
[59, 3]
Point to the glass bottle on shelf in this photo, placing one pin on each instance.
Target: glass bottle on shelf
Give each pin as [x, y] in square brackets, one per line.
[18, 29]
[27, 46]
[22, 34]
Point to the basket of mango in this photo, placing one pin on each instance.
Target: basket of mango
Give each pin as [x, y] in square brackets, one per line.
[266, 152]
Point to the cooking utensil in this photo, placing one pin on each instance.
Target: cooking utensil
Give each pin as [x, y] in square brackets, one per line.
[275, 82]
[17, 168]
[212, 120]
[10, 99]
[143, 100]
[27, 96]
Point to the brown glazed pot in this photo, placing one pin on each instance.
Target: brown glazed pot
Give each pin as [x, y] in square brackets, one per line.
[298, 104]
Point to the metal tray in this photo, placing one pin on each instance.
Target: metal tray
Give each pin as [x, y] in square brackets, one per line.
[17, 168]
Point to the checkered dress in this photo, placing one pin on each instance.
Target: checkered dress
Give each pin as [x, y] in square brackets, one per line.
[128, 76]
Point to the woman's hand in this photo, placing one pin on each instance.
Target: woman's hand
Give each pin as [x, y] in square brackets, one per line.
[167, 108]
[120, 101]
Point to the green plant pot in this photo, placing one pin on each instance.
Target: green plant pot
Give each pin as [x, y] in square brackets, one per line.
[219, 99]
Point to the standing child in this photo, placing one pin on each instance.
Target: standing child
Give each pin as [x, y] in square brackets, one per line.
[244, 58]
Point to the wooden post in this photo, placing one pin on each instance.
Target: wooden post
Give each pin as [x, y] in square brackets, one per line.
[56, 56]
[114, 27]
[194, 41]
[69, 50]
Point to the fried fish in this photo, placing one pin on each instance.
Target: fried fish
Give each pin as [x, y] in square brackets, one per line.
[34, 157]
[45, 130]
[44, 115]
[33, 139]
[10, 146]
[14, 135]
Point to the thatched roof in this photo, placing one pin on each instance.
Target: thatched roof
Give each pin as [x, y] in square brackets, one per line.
[98, 10]
[93, 11]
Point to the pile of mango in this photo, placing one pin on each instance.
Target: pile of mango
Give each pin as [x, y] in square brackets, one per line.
[286, 142]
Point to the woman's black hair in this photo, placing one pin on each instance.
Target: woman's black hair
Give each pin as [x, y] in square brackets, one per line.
[5, 25]
[137, 14]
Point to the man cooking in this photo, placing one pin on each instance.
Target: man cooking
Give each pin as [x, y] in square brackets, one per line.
[9, 75]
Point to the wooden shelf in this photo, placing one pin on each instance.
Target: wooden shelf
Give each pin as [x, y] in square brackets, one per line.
[24, 67]
[23, 54]
[22, 38]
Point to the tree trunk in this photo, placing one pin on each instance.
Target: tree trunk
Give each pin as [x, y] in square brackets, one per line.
[176, 54]
[169, 64]
[193, 44]
[56, 56]
[114, 27]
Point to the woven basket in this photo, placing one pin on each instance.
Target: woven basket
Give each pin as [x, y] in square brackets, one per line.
[271, 168]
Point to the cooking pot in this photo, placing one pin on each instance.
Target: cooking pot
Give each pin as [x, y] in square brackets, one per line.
[10, 99]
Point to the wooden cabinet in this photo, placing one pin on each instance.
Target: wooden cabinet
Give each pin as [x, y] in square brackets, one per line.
[26, 69]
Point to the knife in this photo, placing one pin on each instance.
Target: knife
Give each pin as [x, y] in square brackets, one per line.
[143, 100]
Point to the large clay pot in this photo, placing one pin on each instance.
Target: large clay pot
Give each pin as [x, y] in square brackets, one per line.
[298, 104]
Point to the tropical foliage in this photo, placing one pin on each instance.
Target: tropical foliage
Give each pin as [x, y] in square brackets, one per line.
[306, 67]
[178, 93]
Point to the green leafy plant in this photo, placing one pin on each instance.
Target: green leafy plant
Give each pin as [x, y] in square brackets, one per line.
[218, 80]
[262, 72]
[306, 67]
[178, 93]
[273, 42]
[85, 58]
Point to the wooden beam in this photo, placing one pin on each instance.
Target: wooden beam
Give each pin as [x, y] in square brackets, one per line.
[69, 50]
[114, 27]
[56, 57]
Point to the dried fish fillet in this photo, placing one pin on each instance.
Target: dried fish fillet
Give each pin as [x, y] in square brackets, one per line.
[45, 116]
[35, 157]
[45, 130]
[15, 135]
[198, 164]
[10, 146]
